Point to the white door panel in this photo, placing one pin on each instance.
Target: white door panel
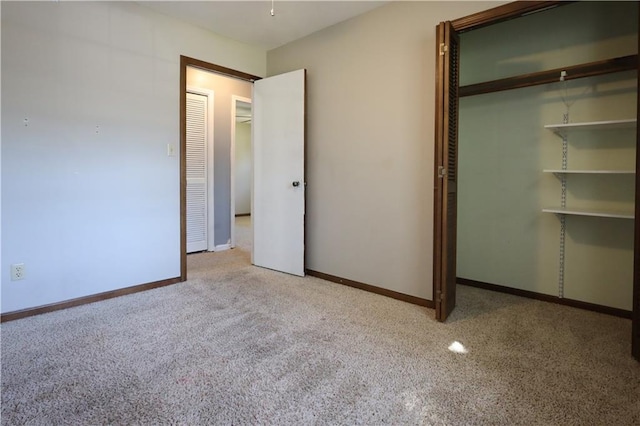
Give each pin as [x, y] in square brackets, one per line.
[278, 196]
[196, 172]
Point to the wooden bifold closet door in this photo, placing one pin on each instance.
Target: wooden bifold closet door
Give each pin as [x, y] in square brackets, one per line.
[635, 328]
[446, 171]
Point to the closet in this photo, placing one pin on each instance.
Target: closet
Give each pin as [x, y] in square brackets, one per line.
[546, 176]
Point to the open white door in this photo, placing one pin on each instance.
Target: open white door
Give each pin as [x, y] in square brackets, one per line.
[278, 195]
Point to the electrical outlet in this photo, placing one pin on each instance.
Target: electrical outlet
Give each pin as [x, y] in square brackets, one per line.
[17, 271]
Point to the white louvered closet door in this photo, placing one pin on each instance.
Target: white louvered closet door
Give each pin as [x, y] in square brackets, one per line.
[196, 172]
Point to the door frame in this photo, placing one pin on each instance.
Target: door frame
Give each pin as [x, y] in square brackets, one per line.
[635, 312]
[185, 62]
[210, 162]
[234, 102]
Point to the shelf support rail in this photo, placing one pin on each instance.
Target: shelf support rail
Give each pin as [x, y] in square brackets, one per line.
[563, 204]
[563, 229]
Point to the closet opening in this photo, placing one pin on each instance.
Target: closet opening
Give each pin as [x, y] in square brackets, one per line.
[209, 209]
[610, 79]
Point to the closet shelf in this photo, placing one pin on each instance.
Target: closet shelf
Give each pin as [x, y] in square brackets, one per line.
[563, 130]
[590, 212]
[595, 172]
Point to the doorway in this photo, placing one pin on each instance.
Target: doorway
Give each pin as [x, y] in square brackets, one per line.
[278, 157]
[225, 82]
[241, 172]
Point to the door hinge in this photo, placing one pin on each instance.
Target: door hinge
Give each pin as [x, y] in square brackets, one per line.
[442, 172]
[443, 48]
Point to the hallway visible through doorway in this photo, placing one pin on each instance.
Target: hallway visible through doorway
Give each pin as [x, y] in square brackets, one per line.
[243, 233]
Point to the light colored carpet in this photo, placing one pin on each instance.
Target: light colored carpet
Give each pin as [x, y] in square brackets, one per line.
[243, 233]
[239, 345]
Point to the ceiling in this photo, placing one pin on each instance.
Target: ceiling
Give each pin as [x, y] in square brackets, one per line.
[251, 21]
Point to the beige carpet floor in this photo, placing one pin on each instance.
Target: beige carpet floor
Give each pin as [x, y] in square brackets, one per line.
[239, 345]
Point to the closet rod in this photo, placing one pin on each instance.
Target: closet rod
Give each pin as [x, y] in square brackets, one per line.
[608, 66]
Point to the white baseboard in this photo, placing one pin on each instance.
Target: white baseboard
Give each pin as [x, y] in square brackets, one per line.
[222, 247]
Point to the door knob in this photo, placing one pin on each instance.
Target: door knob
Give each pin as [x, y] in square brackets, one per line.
[296, 183]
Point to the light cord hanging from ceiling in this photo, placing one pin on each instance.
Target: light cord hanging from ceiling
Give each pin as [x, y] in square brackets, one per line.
[273, 13]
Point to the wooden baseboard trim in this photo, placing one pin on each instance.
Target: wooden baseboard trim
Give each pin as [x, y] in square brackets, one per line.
[243, 214]
[546, 298]
[373, 289]
[24, 313]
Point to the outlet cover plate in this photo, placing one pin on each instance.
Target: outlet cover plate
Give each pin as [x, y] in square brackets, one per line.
[17, 271]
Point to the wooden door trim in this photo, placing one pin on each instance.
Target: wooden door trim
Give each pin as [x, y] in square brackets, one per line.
[635, 304]
[185, 62]
[305, 145]
[503, 13]
[229, 72]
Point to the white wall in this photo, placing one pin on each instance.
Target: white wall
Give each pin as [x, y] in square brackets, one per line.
[0, 155]
[370, 118]
[243, 168]
[504, 237]
[91, 209]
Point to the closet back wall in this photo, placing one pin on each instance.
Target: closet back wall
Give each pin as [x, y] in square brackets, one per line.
[243, 168]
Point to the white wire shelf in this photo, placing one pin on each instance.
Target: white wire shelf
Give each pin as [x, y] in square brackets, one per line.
[563, 130]
[593, 172]
[590, 212]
